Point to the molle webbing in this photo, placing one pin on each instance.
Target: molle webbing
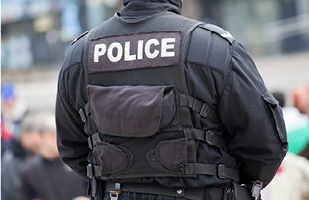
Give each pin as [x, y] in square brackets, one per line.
[200, 107]
[192, 134]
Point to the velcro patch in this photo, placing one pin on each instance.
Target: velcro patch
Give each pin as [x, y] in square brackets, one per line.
[126, 52]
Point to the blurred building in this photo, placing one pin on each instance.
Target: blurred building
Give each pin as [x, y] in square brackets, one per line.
[39, 32]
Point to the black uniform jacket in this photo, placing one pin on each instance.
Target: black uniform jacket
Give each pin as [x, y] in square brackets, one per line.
[226, 78]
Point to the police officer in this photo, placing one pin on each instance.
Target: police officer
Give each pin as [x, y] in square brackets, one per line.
[153, 105]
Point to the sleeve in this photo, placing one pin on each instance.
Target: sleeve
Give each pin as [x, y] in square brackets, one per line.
[253, 119]
[71, 138]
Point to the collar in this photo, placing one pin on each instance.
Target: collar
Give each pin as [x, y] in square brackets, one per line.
[136, 10]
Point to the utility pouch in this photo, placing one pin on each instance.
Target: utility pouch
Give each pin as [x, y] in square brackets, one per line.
[132, 111]
[143, 115]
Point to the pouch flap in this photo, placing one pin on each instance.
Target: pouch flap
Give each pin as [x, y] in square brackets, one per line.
[132, 111]
[277, 115]
[270, 99]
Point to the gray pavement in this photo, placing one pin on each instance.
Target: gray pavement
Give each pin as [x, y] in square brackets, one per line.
[281, 73]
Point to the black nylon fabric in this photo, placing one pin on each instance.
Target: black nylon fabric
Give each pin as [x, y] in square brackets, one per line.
[157, 23]
[217, 72]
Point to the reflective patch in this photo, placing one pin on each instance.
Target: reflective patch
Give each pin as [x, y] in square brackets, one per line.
[134, 51]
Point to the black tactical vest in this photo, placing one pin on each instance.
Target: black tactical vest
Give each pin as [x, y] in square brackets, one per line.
[139, 103]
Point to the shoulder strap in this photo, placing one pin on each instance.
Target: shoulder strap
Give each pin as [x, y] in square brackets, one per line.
[223, 33]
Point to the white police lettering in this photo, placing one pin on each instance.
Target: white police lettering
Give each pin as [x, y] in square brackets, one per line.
[166, 44]
[119, 53]
[140, 49]
[127, 56]
[99, 50]
[147, 48]
[124, 52]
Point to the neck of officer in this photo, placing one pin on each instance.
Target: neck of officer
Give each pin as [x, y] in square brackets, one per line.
[135, 10]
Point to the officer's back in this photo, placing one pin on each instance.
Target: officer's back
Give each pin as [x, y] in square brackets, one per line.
[172, 108]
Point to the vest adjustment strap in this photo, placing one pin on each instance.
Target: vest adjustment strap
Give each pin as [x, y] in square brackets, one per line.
[84, 112]
[221, 171]
[207, 136]
[200, 107]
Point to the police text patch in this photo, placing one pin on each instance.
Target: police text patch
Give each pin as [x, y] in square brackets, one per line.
[134, 51]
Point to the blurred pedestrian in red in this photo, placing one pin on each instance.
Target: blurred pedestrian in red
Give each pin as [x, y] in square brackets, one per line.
[20, 149]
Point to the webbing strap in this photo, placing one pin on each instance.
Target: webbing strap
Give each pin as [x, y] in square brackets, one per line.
[84, 112]
[207, 136]
[221, 171]
[216, 170]
[201, 107]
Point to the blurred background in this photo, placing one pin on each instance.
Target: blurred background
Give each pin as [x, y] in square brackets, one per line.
[36, 34]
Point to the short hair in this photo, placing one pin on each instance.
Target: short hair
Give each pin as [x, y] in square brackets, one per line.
[42, 122]
[29, 123]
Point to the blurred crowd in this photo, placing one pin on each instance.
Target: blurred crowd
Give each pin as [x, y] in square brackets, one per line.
[292, 179]
[31, 167]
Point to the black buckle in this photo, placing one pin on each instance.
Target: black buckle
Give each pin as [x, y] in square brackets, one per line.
[90, 171]
[197, 106]
[205, 110]
[82, 114]
[210, 137]
[90, 143]
[222, 171]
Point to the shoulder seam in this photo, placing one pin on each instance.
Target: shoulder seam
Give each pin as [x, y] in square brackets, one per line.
[223, 33]
[79, 37]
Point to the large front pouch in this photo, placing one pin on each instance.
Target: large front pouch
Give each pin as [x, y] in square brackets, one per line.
[139, 132]
[132, 111]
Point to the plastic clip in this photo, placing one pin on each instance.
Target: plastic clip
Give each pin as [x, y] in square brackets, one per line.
[256, 189]
[114, 193]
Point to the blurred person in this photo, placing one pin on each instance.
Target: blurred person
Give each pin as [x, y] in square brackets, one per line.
[301, 99]
[305, 151]
[13, 108]
[295, 116]
[153, 105]
[291, 181]
[21, 148]
[6, 137]
[46, 176]
[297, 119]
